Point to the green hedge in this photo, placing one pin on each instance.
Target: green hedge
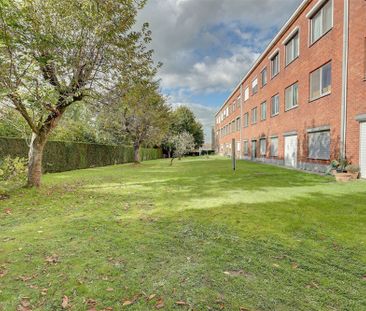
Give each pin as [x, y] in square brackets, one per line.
[65, 156]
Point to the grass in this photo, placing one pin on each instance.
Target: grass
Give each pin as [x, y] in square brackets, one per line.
[262, 238]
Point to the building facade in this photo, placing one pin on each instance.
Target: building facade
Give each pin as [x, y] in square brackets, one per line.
[303, 102]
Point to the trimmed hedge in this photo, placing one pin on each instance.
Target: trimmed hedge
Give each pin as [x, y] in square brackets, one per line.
[62, 156]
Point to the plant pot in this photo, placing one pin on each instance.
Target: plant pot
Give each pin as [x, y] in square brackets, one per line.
[354, 176]
[343, 177]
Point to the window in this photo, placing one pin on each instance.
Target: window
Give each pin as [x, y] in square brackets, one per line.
[320, 81]
[275, 65]
[255, 86]
[238, 124]
[263, 146]
[264, 111]
[246, 94]
[264, 76]
[254, 115]
[246, 147]
[238, 146]
[292, 96]
[292, 49]
[322, 21]
[246, 119]
[274, 147]
[275, 105]
[319, 145]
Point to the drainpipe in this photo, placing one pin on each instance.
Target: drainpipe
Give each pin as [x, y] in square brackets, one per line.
[241, 122]
[344, 80]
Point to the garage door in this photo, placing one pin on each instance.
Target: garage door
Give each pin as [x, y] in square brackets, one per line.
[363, 150]
[291, 151]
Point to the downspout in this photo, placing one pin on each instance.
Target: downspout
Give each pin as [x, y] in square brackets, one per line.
[241, 122]
[344, 80]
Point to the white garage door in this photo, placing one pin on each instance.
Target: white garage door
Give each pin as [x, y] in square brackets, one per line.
[291, 151]
[363, 150]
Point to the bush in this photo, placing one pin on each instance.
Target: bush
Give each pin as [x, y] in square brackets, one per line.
[13, 172]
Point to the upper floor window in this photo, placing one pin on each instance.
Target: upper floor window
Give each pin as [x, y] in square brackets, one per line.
[263, 111]
[320, 81]
[246, 119]
[246, 94]
[275, 105]
[275, 64]
[255, 86]
[291, 96]
[292, 49]
[321, 21]
[264, 76]
[254, 115]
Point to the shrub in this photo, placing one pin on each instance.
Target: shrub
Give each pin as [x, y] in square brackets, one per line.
[13, 172]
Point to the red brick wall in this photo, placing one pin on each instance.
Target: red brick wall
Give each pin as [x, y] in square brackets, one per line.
[325, 111]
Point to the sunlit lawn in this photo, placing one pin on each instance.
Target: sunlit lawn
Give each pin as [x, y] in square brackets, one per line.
[262, 238]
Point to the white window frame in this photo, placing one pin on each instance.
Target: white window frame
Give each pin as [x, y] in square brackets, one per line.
[278, 112]
[255, 86]
[319, 8]
[254, 118]
[293, 104]
[246, 119]
[321, 94]
[261, 151]
[264, 104]
[264, 70]
[246, 94]
[274, 138]
[295, 35]
[275, 55]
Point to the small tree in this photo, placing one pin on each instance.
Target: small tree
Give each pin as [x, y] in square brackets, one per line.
[183, 144]
[54, 53]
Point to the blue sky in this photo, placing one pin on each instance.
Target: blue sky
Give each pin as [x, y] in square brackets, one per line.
[207, 46]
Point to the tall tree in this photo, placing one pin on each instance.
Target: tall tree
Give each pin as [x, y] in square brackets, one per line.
[140, 116]
[184, 120]
[54, 53]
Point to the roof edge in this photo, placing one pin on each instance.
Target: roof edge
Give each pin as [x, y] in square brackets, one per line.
[269, 46]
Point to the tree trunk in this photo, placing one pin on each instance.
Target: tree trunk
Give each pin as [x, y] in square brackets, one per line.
[35, 160]
[136, 152]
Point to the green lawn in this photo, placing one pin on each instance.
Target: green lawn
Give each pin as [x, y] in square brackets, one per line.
[262, 238]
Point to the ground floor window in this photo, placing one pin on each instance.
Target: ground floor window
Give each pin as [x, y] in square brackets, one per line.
[263, 146]
[274, 147]
[246, 147]
[319, 145]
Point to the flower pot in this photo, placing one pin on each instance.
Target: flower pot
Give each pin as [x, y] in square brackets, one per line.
[343, 177]
[354, 176]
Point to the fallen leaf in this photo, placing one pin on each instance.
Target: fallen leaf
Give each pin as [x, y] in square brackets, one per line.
[276, 265]
[364, 277]
[159, 304]
[181, 303]
[110, 289]
[151, 297]
[44, 291]
[312, 285]
[127, 303]
[243, 309]
[24, 305]
[65, 302]
[237, 273]
[294, 266]
[8, 211]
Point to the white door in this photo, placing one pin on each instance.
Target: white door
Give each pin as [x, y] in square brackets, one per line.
[363, 150]
[291, 151]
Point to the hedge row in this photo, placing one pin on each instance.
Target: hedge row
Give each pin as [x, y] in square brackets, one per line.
[65, 156]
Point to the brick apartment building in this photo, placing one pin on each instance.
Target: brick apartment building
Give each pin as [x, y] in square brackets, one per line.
[303, 102]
